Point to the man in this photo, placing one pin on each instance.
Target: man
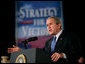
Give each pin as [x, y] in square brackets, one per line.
[63, 47]
[66, 47]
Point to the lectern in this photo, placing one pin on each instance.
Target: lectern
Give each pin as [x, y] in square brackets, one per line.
[32, 55]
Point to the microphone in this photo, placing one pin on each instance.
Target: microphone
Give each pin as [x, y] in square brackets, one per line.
[30, 39]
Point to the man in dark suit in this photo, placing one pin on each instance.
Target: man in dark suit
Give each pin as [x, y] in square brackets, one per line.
[66, 48]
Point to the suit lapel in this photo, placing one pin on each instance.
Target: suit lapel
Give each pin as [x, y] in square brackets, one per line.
[59, 42]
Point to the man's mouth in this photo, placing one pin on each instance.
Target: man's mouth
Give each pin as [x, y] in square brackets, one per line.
[50, 30]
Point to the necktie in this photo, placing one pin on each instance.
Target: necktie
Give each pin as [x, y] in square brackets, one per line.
[53, 44]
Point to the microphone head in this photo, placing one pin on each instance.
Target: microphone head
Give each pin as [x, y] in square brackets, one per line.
[30, 39]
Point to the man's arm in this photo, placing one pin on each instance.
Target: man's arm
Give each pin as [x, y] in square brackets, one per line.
[15, 48]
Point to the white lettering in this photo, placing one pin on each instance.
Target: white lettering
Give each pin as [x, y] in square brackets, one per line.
[31, 32]
[31, 13]
[22, 15]
[39, 22]
[42, 12]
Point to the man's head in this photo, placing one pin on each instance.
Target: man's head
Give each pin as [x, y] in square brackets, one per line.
[53, 25]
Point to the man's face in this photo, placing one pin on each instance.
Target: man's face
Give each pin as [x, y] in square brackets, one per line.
[52, 27]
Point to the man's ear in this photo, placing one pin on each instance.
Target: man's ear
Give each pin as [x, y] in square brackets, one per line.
[59, 25]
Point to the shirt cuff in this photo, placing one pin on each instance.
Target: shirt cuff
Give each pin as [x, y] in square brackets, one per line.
[64, 56]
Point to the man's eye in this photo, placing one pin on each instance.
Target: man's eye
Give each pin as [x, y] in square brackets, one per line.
[50, 23]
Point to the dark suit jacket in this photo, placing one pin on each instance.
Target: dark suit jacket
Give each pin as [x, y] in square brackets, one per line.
[67, 43]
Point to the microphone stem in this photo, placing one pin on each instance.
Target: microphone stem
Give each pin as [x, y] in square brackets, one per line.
[25, 45]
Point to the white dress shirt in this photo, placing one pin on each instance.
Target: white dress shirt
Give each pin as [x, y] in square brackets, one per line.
[57, 36]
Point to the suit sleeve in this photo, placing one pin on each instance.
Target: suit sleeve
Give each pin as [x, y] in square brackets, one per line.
[73, 52]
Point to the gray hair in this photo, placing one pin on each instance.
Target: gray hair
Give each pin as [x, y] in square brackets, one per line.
[57, 20]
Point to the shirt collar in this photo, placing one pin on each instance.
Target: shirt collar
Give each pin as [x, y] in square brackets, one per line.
[58, 34]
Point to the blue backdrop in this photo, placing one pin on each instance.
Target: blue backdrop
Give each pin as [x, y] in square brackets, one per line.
[31, 20]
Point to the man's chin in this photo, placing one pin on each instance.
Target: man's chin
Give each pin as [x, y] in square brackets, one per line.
[51, 33]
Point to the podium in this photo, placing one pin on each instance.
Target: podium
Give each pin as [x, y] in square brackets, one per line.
[32, 55]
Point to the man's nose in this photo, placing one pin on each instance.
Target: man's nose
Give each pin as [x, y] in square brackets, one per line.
[49, 27]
